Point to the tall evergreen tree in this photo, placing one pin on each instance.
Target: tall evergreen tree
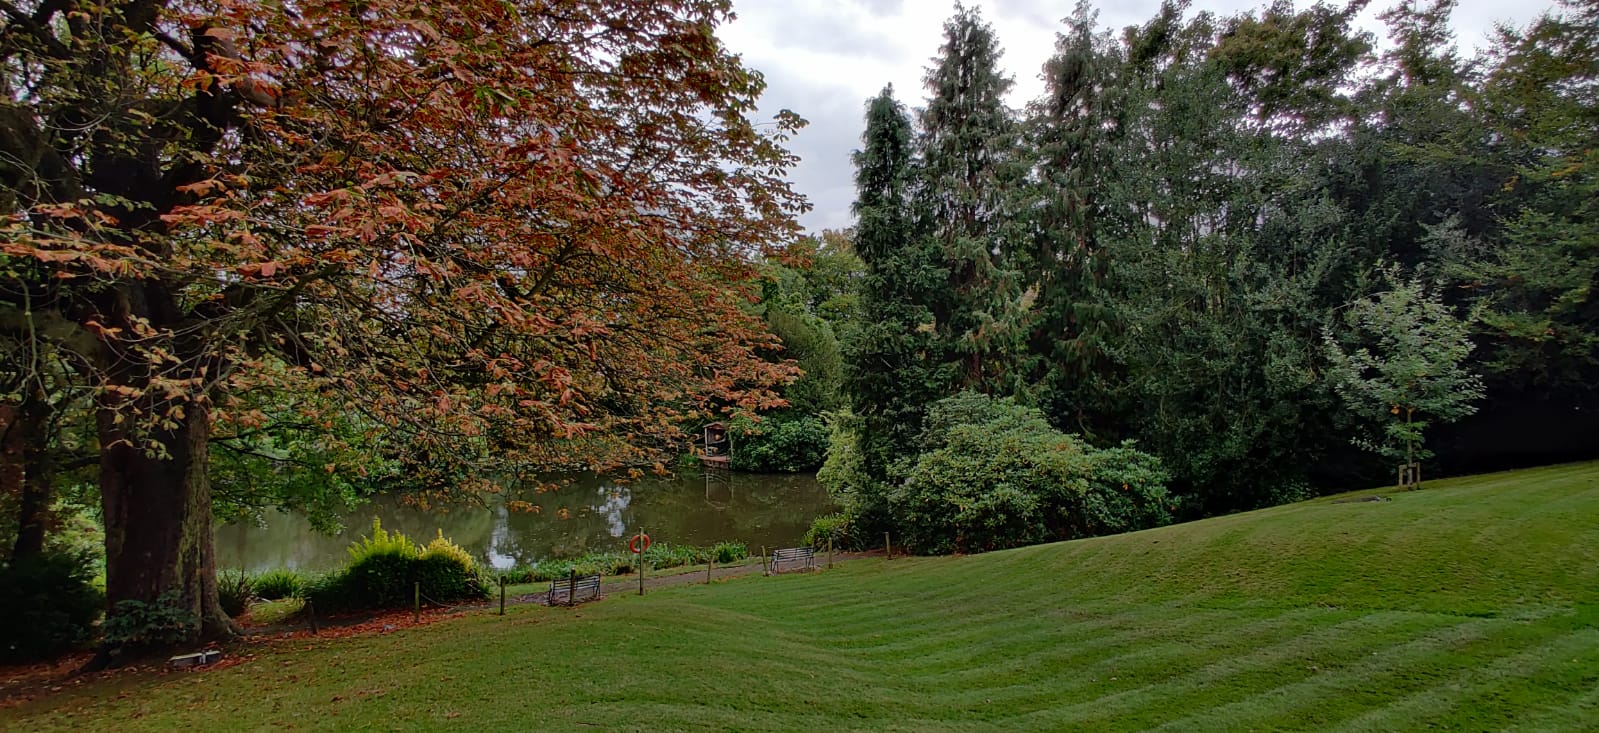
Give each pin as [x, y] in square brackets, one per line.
[887, 375]
[1542, 304]
[971, 169]
[1072, 132]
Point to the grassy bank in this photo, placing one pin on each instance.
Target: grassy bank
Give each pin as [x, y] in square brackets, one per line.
[1473, 604]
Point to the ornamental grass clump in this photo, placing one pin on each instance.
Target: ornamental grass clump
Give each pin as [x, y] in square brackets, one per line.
[278, 584]
[235, 590]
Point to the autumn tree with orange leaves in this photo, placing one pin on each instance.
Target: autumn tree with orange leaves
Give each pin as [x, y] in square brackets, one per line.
[512, 233]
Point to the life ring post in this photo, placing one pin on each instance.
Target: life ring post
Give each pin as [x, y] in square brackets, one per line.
[639, 545]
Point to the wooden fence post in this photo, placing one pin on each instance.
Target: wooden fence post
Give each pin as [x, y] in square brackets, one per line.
[829, 551]
[888, 547]
[416, 607]
[571, 588]
[502, 595]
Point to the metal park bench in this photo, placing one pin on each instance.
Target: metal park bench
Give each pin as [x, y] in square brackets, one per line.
[801, 558]
[574, 590]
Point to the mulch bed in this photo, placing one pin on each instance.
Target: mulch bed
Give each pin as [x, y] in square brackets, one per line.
[22, 683]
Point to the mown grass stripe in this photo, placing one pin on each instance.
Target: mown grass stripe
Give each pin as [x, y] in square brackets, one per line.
[1449, 696]
[1473, 604]
[1387, 673]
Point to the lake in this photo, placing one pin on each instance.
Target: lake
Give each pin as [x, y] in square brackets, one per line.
[589, 515]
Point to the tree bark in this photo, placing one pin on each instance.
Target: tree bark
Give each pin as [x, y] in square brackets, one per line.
[158, 519]
[25, 471]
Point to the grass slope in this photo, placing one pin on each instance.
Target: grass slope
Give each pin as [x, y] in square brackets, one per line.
[1473, 604]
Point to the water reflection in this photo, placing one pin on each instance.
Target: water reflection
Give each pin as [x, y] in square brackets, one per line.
[587, 515]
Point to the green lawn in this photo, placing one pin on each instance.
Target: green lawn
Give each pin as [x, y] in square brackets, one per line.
[1470, 605]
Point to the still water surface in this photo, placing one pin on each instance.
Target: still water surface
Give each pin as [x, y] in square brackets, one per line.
[599, 515]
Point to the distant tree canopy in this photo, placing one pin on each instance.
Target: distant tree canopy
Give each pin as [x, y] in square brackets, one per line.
[1244, 242]
[480, 238]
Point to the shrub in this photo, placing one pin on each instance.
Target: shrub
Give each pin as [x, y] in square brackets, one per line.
[385, 569]
[779, 445]
[667, 555]
[50, 605]
[660, 555]
[1127, 491]
[443, 579]
[382, 578]
[836, 526]
[851, 485]
[603, 563]
[140, 625]
[331, 592]
[617, 564]
[277, 584]
[235, 589]
[993, 474]
[545, 571]
[382, 542]
[441, 547]
[726, 552]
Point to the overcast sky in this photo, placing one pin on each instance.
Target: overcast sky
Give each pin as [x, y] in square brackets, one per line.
[824, 58]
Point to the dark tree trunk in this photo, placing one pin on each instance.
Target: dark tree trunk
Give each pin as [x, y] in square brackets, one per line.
[25, 471]
[12, 473]
[158, 518]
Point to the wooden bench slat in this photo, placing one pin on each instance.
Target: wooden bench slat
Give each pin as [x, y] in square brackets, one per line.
[568, 591]
[792, 555]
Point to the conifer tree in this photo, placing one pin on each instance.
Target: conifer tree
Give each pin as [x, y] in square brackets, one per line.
[1073, 129]
[887, 377]
[970, 173]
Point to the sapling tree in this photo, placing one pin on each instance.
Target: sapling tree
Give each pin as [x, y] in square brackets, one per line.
[1401, 365]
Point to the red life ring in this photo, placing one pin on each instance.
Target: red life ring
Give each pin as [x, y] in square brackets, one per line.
[634, 545]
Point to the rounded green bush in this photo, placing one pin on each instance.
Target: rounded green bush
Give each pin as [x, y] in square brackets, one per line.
[386, 569]
[993, 474]
[779, 445]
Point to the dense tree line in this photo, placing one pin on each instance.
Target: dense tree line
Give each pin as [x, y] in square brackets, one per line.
[1278, 257]
[260, 256]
